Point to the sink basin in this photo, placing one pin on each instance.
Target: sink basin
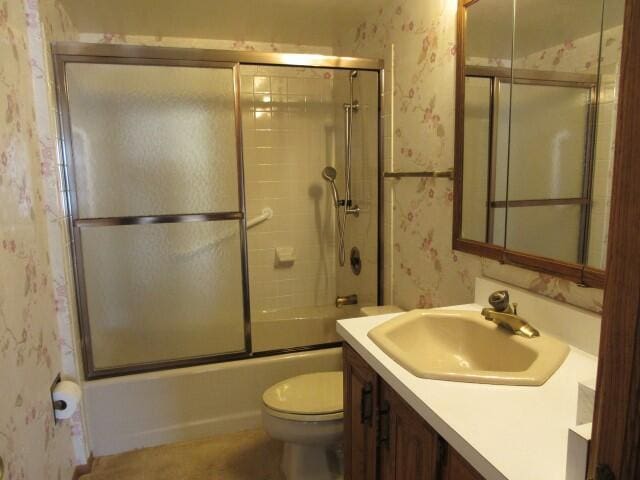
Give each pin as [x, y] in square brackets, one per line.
[461, 346]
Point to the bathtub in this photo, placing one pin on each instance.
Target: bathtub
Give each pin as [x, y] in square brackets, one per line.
[291, 327]
[143, 410]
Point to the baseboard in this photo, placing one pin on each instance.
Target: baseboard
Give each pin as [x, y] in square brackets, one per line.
[83, 469]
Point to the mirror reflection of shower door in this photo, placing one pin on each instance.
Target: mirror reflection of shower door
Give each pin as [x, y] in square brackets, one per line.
[157, 207]
[549, 168]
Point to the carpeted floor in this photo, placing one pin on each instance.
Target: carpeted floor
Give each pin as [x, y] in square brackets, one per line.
[249, 455]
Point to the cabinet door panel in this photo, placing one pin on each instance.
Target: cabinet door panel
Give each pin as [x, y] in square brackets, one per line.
[457, 468]
[411, 451]
[360, 394]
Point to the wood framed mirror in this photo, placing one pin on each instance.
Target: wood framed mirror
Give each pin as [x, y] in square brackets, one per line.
[536, 102]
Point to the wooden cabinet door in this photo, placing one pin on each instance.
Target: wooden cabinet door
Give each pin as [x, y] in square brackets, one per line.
[360, 395]
[409, 447]
[457, 468]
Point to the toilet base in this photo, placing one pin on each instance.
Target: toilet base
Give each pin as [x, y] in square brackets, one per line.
[312, 462]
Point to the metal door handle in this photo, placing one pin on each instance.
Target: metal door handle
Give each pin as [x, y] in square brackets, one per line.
[384, 423]
[366, 403]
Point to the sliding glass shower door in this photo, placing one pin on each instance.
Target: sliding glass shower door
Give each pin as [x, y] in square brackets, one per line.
[157, 210]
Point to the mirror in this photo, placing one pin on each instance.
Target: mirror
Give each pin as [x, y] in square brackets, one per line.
[535, 128]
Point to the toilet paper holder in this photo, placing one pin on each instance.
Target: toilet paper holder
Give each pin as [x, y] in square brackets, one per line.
[56, 404]
[65, 398]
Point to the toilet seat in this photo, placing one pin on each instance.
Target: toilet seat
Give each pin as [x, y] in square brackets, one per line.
[314, 397]
[297, 417]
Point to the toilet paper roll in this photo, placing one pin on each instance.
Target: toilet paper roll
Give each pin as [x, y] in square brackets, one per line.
[66, 397]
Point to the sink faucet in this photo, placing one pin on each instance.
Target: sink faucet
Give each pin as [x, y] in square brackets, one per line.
[505, 315]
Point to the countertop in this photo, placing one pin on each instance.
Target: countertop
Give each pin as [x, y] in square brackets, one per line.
[504, 432]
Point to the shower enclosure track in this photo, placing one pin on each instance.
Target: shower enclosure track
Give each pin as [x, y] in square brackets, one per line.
[422, 174]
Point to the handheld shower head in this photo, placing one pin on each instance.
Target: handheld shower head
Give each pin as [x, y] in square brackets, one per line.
[329, 174]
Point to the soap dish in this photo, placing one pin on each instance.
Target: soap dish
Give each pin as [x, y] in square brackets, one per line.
[285, 256]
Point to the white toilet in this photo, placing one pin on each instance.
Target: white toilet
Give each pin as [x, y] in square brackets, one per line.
[306, 412]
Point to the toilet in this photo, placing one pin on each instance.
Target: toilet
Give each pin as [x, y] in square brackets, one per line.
[305, 412]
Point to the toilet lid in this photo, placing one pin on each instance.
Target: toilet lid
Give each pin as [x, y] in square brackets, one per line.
[310, 394]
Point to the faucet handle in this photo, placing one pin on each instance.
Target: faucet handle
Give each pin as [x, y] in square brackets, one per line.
[515, 308]
[499, 300]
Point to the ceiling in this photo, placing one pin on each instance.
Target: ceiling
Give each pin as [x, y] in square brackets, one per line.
[307, 22]
[539, 24]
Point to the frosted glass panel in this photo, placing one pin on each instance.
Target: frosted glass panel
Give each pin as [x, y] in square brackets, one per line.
[150, 140]
[549, 231]
[548, 139]
[477, 137]
[501, 141]
[497, 225]
[163, 291]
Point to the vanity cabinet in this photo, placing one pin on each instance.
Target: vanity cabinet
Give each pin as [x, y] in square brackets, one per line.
[360, 410]
[408, 448]
[385, 439]
[456, 468]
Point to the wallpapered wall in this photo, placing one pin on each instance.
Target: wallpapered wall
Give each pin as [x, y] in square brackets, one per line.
[30, 355]
[37, 339]
[417, 41]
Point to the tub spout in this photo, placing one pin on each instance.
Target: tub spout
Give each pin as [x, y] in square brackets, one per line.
[347, 300]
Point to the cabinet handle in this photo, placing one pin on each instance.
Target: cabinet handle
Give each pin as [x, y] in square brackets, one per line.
[366, 403]
[384, 423]
[441, 457]
[604, 472]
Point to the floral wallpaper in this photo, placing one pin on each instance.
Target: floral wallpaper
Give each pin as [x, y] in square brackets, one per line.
[579, 55]
[38, 335]
[548, 285]
[417, 41]
[48, 22]
[185, 42]
[31, 445]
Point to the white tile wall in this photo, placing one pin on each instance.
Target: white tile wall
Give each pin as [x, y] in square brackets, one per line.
[361, 231]
[289, 135]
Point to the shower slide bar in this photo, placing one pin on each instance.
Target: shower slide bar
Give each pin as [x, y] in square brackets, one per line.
[432, 174]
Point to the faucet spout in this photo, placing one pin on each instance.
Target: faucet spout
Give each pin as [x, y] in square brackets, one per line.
[346, 300]
[511, 322]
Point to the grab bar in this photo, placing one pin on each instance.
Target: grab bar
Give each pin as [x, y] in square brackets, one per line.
[266, 214]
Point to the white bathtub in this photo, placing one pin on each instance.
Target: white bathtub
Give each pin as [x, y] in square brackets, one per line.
[135, 411]
[291, 327]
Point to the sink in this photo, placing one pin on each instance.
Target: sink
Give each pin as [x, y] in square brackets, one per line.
[461, 346]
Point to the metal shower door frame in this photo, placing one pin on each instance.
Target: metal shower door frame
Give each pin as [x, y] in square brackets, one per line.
[78, 52]
[76, 223]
